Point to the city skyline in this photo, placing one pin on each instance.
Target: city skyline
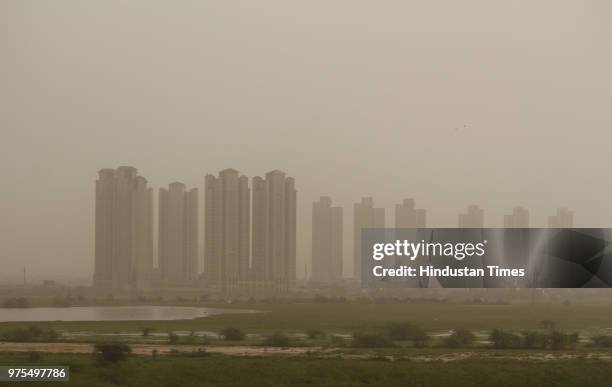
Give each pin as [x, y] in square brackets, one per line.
[249, 234]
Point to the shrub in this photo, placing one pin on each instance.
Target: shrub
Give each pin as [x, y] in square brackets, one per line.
[573, 339]
[173, 338]
[62, 302]
[29, 334]
[560, 340]
[547, 324]
[233, 334]
[532, 340]
[314, 334]
[601, 341]
[371, 340]
[402, 331]
[337, 341]
[420, 339]
[111, 352]
[34, 356]
[191, 339]
[502, 339]
[460, 338]
[277, 339]
[16, 303]
[51, 335]
[408, 331]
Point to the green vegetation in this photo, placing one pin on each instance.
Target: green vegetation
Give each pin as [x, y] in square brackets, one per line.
[29, 334]
[314, 334]
[277, 339]
[19, 302]
[351, 317]
[337, 341]
[535, 339]
[408, 331]
[146, 331]
[555, 340]
[460, 338]
[111, 352]
[173, 338]
[233, 334]
[547, 324]
[371, 340]
[403, 331]
[601, 341]
[200, 369]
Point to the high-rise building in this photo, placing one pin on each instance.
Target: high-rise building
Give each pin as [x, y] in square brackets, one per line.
[326, 241]
[518, 219]
[473, 218]
[274, 230]
[178, 234]
[227, 236]
[365, 215]
[564, 218]
[407, 216]
[124, 230]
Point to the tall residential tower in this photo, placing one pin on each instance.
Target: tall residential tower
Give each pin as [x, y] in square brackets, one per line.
[227, 236]
[274, 230]
[473, 218]
[365, 215]
[407, 216]
[326, 241]
[564, 218]
[518, 219]
[178, 234]
[123, 229]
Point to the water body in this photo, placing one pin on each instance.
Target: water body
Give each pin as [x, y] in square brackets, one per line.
[112, 313]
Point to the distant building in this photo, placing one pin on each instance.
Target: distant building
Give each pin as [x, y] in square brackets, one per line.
[473, 218]
[518, 219]
[407, 216]
[227, 234]
[326, 241]
[564, 218]
[123, 230]
[365, 215]
[178, 234]
[274, 231]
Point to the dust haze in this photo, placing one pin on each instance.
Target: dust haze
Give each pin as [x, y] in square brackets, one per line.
[493, 103]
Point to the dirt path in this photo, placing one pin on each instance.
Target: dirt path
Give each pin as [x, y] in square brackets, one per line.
[147, 349]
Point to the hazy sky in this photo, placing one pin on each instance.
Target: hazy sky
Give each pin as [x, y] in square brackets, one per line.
[497, 103]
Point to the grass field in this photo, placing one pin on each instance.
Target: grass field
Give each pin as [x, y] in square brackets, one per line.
[349, 317]
[433, 366]
[217, 370]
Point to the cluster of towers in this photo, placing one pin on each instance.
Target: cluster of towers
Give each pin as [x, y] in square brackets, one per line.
[246, 248]
[327, 229]
[249, 233]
